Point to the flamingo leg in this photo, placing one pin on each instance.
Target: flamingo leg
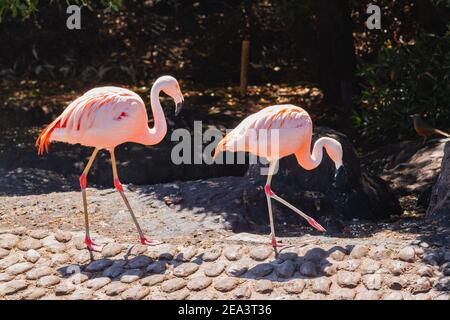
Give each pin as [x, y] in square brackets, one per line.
[119, 188]
[90, 245]
[272, 167]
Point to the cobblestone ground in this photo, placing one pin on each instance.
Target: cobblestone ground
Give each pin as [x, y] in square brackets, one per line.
[37, 264]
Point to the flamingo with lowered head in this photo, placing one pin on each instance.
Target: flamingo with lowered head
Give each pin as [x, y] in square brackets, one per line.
[105, 117]
[274, 133]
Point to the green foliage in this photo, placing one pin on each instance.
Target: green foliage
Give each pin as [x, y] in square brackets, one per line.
[406, 80]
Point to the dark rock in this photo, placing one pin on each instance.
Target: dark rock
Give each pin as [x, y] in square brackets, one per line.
[440, 196]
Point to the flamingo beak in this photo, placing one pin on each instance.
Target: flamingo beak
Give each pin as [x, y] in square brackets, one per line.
[339, 172]
[178, 107]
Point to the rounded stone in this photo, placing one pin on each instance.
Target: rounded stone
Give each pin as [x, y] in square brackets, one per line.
[173, 285]
[368, 295]
[285, 269]
[131, 275]
[11, 287]
[139, 262]
[19, 268]
[60, 259]
[99, 265]
[32, 256]
[186, 253]
[64, 289]
[397, 283]
[343, 294]
[397, 267]
[260, 253]
[308, 269]
[39, 272]
[421, 285]
[11, 259]
[337, 255]
[348, 279]
[407, 254]
[115, 288]
[135, 293]
[212, 254]
[262, 269]
[237, 269]
[4, 277]
[39, 234]
[98, 283]
[213, 269]
[3, 253]
[243, 292]
[34, 293]
[186, 269]
[263, 286]
[226, 284]
[393, 295]
[349, 265]
[62, 236]
[153, 280]
[380, 253]
[199, 283]
[295, 286]
[138, 250]
[157, 267]
[233, 252]
[321, 285]
[29, 243]
[182, 294]
[425, 271]
[373, 281]
[163, 252]
[48, 281]
[111, 249]
[359, 251]
[369, 266]
[8, 241]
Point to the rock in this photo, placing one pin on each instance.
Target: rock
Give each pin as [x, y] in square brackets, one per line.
[131, 275]
[139, 262]
[32, 255]
[98, 283]
[135, 293]
[111, 249]
[421, 285]
[355, 195]
[425, 271]
[445, 256]
[64, 289]
[263, 286]
[19, 268]
[373, 282]
[186, 253]
[349, 265]
[63, 236]
[79, 278]
[60, 259]
[199, 283]
[368, 295]
[397, 267]
[233, 252]
[288, 253]
[369, 266]
[337, 255]
[443, 284]
[82, 257]
[260, 253]
[393, 295]
[295, 286]
[28, 244]
[11, 259]
[212, 254]
[39, 272]
[422, 296]
[315, 254]
[115, 270]
[152, 280]
[173, 285]
[3, 253]
[286, 269]
[348, 279]
[237, 269]
[115, 288]
[407, 254]
[182, 294]
[380, 253]
[186, 269]
[5, 277]
[81, 294]
[359, 251]
[243, 292]
[343, 294]
[397, 283]
[98, 265]
[321, 285]
[308, 269]
[445, 269]
[213, 269]
[262, 269]
[163, 252]
[34, 293]
[431, 258]
[157, 267]
[11, 287]
[439, 205]
[226, 284]
[327, 269]
[48, 281]
[38, 234]
[8, 241]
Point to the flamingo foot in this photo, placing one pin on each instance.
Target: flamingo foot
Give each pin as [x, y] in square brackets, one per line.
[91, 246]
[275, 244]
[149, 242]
[313, 223]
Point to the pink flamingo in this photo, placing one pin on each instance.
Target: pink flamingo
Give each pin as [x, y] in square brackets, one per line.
[105, 117]
[276, 132]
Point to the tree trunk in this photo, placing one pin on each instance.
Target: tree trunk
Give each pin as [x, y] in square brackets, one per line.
[440, 195]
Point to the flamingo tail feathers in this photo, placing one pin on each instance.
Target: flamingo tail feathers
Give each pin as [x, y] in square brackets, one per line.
[43, 141]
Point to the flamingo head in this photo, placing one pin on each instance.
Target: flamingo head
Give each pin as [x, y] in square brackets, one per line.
[170, 86]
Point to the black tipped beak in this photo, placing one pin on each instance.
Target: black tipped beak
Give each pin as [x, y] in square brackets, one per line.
[341, 178]
[339, 172]
[178, 107]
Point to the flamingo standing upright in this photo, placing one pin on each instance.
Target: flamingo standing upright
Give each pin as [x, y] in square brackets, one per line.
[104, 118]
[291, 126]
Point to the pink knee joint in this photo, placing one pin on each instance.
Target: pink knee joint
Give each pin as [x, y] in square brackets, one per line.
[83, 181]
[118, 185]
[268, 190]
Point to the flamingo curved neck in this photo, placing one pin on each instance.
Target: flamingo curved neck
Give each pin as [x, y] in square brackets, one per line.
[155, 134]
[310, 161]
